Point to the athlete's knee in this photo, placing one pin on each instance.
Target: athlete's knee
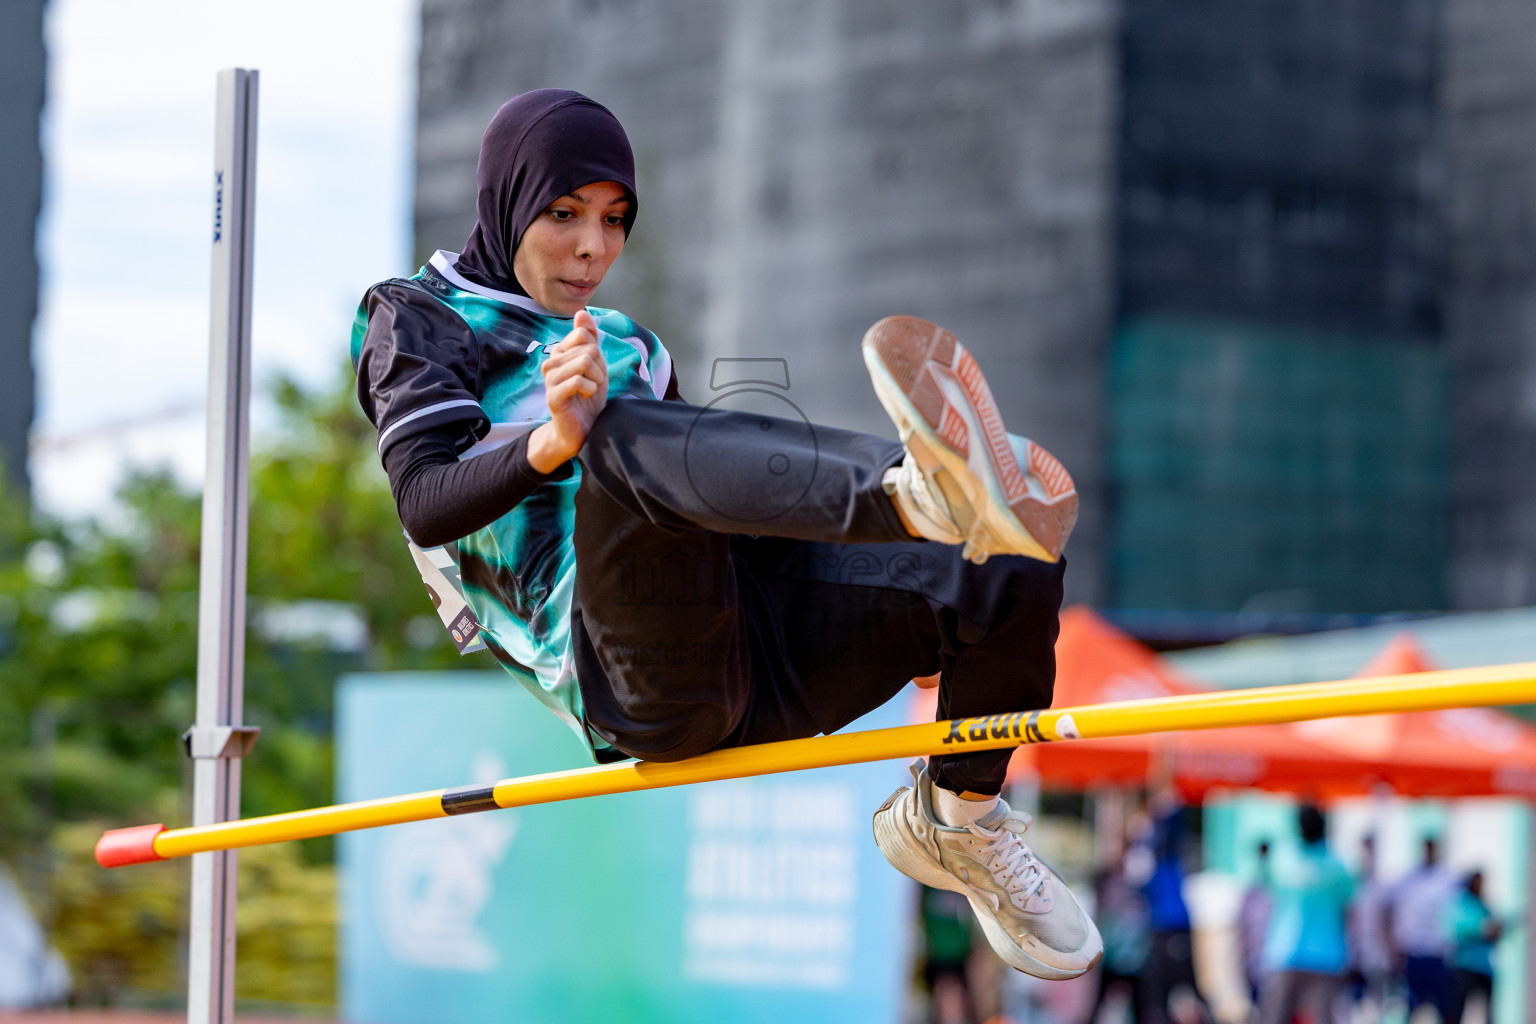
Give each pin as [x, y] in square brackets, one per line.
[603, 440]
[615, 418]
[609, 453]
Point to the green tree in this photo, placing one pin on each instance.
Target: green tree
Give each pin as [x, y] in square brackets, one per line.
[98, 647]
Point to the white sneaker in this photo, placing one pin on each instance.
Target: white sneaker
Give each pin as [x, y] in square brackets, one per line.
[922, 502]
[962, 470]
[1028, 914]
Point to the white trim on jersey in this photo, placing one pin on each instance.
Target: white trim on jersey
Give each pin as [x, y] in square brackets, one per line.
[658, 376]
[499, 436]
[661, 373]
[443, 262]
[456, 403]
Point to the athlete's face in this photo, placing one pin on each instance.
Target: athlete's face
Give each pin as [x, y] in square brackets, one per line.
[569, 247]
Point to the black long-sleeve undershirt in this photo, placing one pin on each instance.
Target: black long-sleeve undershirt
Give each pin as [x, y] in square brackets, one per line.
[441, 498]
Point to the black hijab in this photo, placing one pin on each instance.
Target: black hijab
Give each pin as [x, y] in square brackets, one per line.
[540, 146]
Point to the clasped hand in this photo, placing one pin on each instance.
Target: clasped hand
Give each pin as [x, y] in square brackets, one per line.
[576, 389]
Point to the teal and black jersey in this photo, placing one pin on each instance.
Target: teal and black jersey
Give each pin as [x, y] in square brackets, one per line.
[439, 352]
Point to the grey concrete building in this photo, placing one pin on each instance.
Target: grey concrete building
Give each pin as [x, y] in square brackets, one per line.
[1262, 274]
[809, 166]
[22, 72]
[1342, 197]
[1278, 438]
[1487, 109]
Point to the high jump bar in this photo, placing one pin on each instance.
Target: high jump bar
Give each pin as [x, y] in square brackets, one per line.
[1422, 691]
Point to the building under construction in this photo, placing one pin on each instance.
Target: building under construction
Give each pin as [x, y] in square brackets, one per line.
[1262, 274]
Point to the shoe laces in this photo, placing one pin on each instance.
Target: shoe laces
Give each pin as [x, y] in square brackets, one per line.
[1012, 863]
[925, 502]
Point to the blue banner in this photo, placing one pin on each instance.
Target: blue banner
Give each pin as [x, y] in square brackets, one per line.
[757, 900]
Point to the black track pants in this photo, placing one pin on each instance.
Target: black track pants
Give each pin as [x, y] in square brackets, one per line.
[743, 579]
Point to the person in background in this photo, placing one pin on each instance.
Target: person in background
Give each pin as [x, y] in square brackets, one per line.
[1419, 902]
[948, 938]
[1122, 915]
[1170, 975]
[1304, 950]
[1371, 960]
[1253, 923]
[1472, 932]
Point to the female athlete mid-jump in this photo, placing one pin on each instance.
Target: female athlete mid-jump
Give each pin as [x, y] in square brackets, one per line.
[546, 437]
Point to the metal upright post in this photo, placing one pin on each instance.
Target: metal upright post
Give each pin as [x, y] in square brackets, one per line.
[217, 741]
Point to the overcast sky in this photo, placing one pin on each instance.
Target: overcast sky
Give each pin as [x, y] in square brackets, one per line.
[122, 336]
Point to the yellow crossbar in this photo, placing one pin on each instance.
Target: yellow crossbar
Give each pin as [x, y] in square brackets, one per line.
[1424, 691]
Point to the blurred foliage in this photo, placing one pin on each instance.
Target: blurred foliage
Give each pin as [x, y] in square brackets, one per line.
[287, 928]
[122, 932]
[119, 931]
[98, 664]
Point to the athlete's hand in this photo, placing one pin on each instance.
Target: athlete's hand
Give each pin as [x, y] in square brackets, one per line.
[576, 389]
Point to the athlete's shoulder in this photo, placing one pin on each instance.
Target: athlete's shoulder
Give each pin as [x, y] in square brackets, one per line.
[418, 363]
[410, 303]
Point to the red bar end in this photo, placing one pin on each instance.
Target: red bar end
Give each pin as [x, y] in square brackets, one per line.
[123, 846]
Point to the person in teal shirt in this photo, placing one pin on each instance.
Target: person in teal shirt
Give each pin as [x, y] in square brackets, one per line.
[1304, 949]
[1473, 931]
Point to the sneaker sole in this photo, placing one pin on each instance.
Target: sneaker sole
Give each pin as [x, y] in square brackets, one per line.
[936, 395]
[908, 854]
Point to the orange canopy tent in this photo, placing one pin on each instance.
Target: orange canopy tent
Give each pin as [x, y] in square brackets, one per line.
[1096, 663]
[1457, 752]
[1464, 752]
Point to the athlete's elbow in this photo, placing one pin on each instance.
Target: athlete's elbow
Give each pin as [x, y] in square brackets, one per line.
[425, 531]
